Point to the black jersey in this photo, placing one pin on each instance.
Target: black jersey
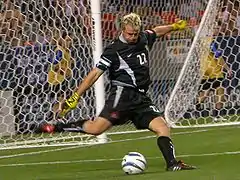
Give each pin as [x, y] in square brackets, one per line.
[128, 64]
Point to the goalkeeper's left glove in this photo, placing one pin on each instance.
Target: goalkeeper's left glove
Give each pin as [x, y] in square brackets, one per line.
[69, 104]
[179, 25]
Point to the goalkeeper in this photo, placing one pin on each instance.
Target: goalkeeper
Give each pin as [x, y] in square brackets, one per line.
[127, 59]
[212, 68]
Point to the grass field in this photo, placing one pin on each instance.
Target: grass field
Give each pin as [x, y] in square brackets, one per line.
[215, 151]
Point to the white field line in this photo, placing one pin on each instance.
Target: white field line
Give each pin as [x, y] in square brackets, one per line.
[74, 147]
[103, 160]
[107, 160]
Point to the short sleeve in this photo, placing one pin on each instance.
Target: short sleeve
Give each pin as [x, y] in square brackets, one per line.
[106, 59]
[151, 37]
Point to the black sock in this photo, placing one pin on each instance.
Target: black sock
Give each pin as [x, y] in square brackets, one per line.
[74, 126]
[166, 146]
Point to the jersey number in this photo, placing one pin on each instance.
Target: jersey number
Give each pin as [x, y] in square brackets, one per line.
[154, 108]
[142, 58]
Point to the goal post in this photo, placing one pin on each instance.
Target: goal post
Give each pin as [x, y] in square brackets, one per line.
[97, 51]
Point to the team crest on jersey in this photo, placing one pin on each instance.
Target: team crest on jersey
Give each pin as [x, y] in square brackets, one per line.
[115, 115]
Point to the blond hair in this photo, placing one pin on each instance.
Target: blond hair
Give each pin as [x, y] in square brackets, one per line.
[132, 19]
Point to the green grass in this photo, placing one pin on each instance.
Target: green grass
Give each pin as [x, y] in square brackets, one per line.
[199, 148]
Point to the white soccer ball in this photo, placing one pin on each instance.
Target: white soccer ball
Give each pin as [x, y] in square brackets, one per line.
[134, 163]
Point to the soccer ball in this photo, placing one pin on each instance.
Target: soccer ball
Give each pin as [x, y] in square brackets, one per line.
[134, 163]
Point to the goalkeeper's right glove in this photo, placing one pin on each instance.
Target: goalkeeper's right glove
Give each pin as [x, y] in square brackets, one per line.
[69, 104]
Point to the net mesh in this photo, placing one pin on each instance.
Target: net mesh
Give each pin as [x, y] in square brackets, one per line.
[205, 93]
[46, 50]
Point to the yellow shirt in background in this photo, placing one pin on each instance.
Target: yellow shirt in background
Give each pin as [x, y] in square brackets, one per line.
[211, 67]
[62, 69]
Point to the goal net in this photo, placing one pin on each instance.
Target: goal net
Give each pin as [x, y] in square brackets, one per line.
[206, 91]
[47, 48]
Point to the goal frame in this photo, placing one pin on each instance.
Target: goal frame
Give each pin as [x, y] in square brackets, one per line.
[97, 51]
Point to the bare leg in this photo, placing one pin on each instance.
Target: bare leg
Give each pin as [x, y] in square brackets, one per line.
[97, 126]
[218, 100]
[159, 127]
[93, 127]
[201, 98]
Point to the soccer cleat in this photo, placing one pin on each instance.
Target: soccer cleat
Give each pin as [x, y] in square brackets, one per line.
[47, 128]
[180, 165]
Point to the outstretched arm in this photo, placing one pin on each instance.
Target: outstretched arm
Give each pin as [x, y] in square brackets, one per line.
[88, 81]
[226, 67]
[161, 30]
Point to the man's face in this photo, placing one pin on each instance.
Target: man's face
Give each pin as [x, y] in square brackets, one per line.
[130, 34]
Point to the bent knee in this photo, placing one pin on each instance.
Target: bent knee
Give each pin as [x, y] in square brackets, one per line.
[94, 131]
[159, 127]
[97, 127]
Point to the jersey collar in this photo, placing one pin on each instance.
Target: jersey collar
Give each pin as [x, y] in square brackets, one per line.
[121, 38]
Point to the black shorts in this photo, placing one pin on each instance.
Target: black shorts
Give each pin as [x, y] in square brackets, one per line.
[207, 84]
[124, 104]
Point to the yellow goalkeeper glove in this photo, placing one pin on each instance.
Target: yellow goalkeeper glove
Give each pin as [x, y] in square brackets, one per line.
[179, 25]
[69, 104]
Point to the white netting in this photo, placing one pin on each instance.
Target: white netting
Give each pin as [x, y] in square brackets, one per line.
[217, 39]
[37, 40]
